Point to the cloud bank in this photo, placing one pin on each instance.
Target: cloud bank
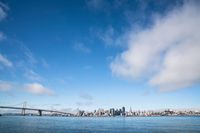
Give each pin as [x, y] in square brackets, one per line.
[167, 53]
[38, 89]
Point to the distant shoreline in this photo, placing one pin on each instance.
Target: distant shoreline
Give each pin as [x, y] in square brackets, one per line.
[2, 115]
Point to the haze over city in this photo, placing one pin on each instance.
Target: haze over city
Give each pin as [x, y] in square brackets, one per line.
[92, 54]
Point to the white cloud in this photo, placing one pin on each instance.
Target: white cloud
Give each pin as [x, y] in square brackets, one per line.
[97, 4]
[86, 103]
[108, 37]
[5, 6]
[3, 14]
[5, 61]
[69, 110]
[38, 89]
[5, 86]
[105, 6]
[2, 36]
[85, 99]
[3, 9]
[81, 48]
[32, 75]
[28, 54]
[167, 53]
[85, 96]
[44, 63]
[87, 67]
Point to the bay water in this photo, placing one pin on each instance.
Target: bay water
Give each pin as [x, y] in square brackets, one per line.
[45, 124]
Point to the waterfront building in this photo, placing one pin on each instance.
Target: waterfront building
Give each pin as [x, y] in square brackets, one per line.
[112, 111]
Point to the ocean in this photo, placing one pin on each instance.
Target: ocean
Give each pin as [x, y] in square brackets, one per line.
[44, 124]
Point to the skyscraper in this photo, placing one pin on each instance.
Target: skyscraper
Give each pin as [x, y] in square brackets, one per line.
[112, 111]
[123, 110]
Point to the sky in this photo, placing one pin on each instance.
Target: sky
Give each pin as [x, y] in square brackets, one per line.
[91, 54]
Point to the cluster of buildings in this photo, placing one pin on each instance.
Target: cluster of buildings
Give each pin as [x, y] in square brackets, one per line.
[117, 112]
[130, 113]
[102, 112]
[167, 112]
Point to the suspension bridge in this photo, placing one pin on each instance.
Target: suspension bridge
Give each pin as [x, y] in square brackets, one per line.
[40, 111]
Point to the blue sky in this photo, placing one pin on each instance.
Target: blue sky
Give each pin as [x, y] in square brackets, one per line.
[93, 54]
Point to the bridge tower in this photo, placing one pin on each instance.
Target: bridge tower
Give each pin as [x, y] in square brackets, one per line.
[40, 112]
[23, 108]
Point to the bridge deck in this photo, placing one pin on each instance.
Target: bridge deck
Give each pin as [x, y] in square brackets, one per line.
[35, 109]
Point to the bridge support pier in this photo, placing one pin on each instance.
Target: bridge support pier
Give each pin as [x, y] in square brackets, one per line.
[23, 112]
[40, 112]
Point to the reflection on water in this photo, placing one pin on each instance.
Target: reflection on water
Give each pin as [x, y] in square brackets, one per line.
[20, 124]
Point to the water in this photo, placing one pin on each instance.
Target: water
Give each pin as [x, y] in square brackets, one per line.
[20, 124]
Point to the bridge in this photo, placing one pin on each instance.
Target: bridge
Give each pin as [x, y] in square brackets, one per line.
[35, 109]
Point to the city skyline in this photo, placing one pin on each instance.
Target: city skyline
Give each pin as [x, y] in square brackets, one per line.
[91, 54]
[112, 112]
